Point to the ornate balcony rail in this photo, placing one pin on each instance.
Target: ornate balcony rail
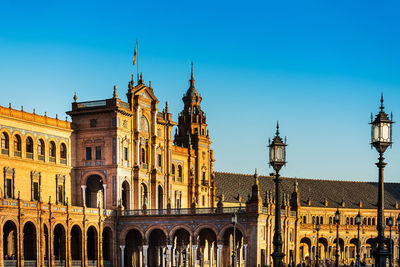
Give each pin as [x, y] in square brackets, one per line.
[184, 211]
[91, 104]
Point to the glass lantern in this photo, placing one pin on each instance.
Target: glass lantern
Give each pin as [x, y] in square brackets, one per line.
[358, 219]
[337, 216]
[277, 151]
[381, 130]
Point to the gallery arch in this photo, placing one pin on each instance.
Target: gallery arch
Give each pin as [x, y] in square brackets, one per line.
[29, 243]
[10, 243]
[94, 191]
[107, 246]
[157, 248]
[91, 242]
[76, 244]
[133, 245]
[59, 245]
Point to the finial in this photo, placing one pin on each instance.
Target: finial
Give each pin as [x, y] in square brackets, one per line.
[34, 111]
[277, 127]
[56, 116]
[45, 113]
[166, 107]
[75, 97]
[150, 85]
[191, 75]
[382, 107]
[9, 105]
[115, 93]
[141, 78]
[22, 108]
[255, 176]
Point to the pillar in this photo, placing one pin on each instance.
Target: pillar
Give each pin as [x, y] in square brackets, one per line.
[169, 256]
[210, 255]
[83, 194]
[245, 255]
[105, 196]
[122, 255]
[145, 250]
[219, 254]
[141, 257]
[194, 248]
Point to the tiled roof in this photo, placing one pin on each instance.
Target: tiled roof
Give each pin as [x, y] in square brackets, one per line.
[317, 191]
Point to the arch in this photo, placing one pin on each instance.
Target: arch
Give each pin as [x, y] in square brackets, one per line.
[107, 245]
[181, 240]
[305, 248]
[173, 172]
[91, 244]
[46, 242]
[17, 145]
[52, 151]
[304, 219]
[59, 243]
[94, 191]
[180, 173]
[29, 147]
[63, 153]
[10, 241]
[157, 247]
[126, 230]
[160, 197]
[29, 232]
[202, 226]
[323, 248]
[226, 227]
[125, 195]
[76, 243]
[133, 243]
[41, 148]
[5, 143]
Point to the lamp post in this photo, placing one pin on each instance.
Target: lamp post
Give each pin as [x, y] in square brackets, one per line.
[390, 224]
[337, 220]
[234, 221]
[398, 229]
[317, 227]
[381, 139]
[277, 157]
[358, 222]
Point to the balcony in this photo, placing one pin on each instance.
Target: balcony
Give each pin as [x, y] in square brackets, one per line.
[52, 159]
[4, 151]
[17, 154]
[63, 161]
[29, 155]
[41, 157]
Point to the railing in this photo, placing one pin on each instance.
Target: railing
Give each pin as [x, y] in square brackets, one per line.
[59, 263]
[41, 157]
[185, 211]
[107, 263]
[76, 263]
[4, 151]
[145, 166]
[91, 104]
[92, 262]
[10, 263]
[63, 161]
[29, 155]
[52, 159]
[17, 154]
[124, 105]
[30, 263]
[205, 183]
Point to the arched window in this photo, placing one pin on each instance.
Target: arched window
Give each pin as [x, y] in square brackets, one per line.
[143, 195]
[63, 153]
[304, 219]
[29, 148]
[41, 149]
[369, 221]
[373, 221]
[17, 146]
[351, 221]
[52, 151]
[173, 172]
[143, 155]
[4, 143]
[179, 173]
[321, 220]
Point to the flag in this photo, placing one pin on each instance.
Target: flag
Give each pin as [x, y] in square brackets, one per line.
[135, 54]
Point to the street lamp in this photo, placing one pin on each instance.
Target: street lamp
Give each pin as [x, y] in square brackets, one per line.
[277, 159]
[398, 229]
[390, 224]
[358, 222]
[234, 221]
[337, 221]
[381, 139]
[317, 227]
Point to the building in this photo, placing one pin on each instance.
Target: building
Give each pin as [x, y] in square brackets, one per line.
[118, 186]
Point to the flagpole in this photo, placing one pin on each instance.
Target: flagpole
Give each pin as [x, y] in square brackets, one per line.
[137, 57]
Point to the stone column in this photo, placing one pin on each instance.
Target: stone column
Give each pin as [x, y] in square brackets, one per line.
[194, 248]
[122, 255]
[105, 196]
[219, 254]
[210, 255]
[169, 256]
[83, 195]
[245, 255]
[141, 257]
[145, 248]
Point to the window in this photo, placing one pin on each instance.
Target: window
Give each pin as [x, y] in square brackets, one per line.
[60, 195]
[4, 143]
[125, 153]
[9, 188]
[179, 173]
[204, 181]
[9, 182]
[113, 122]
[98, 152]
[36, 191]
[17, 146]
[40, 149]
[159, 160]
[88, 153]
[304, 219]
[29, 145]
[93, 123]
[60, 189]
[63, 153]
[52, 151]
[173, 172]
[203, 201]
[143, 155]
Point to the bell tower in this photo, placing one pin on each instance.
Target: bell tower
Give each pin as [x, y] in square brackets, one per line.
[192, 134]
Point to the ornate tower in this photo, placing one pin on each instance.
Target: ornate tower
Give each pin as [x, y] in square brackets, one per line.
[192, 134]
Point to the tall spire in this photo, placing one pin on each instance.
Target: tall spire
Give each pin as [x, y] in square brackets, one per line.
[191, 75]
[277, 127]
[115, 93]
[382, 107]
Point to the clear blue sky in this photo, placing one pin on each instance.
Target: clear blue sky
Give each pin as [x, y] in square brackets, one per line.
[316, 66]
